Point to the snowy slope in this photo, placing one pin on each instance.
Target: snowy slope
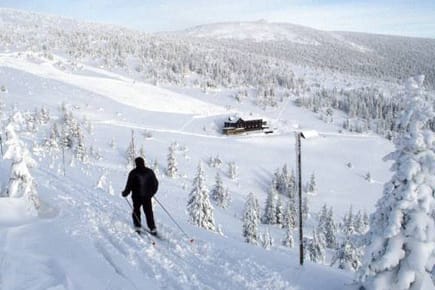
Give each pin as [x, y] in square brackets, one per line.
[263, 31]
[382, 56]
[242, 50]
[83, 238]
[257, 31]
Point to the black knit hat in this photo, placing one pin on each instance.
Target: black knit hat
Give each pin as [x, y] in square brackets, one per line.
[139, 162]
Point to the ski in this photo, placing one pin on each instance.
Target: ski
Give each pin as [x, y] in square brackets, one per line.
[145, 233]
[149, 233]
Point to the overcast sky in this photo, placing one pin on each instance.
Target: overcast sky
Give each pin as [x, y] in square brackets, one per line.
[412, 18]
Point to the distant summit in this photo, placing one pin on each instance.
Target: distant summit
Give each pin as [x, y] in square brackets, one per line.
[258, 31]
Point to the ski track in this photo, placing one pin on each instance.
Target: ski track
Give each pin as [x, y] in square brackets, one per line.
[173, 262]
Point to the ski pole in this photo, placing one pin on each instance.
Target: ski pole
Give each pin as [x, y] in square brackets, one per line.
[153, 242]
[175, 222]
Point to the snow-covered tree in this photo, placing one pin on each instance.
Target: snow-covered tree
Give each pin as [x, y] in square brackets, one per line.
[251, 219]
[81, 153]
[316, 248]
[330, 230]
[172, 169]
[323, 216]
[266, 240]
[305, 208]
[288, 239]
[52, 141]
[232, 170]
[198, 205]
[215, 162]
[269, 216]
[401, 252]
[220, 194]
[366, 222]
[289, 219]
[21, 183]
[347, 257]
[131, 150]
[279, 211]
[291, 187]
[358, 223]
[312, 187]
[348, 224]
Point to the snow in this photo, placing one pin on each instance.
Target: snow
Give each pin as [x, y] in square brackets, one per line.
[258, 31]
[123, 90]
[88, 240]
[83, 237]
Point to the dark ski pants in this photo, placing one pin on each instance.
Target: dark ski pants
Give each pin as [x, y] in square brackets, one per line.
[147, 208]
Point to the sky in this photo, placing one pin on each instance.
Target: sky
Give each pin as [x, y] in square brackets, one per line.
[400, 17]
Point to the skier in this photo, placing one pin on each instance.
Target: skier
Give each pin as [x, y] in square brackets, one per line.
[143, 184]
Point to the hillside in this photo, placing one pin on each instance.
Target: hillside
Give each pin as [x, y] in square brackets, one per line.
[379, 56]
[177, 90]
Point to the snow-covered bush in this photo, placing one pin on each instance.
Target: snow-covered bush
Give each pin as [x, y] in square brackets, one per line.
[21, 183]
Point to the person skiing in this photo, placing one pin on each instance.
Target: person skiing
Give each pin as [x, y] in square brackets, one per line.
[143, 184]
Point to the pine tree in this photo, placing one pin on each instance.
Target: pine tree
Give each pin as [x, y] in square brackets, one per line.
[365, 222]
[316, 249]
[266, 240]
[312, 187]
[291, 187]
[348, 226]
[402, 229]
[289, 219]
[323, 216]
[21, 183]
[330, 230]
[52, 141]
[232, 170]
[346, 256]
[279, 211]
[80, 150]
[251, 219]
[358, 223]
[198, 206]
[288, 239]
[220, 194]
[305, 208]
[269, 216]
[172, 170]
[131, 151]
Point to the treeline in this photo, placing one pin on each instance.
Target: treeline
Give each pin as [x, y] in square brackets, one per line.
[366, 108]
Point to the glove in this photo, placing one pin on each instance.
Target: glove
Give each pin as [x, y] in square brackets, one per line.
[125, 193]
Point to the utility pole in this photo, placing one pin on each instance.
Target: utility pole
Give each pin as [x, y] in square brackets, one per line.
[1, 144]
[298, 136]
[306, 134]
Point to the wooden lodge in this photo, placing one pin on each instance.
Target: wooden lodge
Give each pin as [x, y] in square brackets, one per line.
[241, 126]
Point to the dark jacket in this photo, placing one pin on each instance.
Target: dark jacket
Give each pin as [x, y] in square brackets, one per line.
[142, 182]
